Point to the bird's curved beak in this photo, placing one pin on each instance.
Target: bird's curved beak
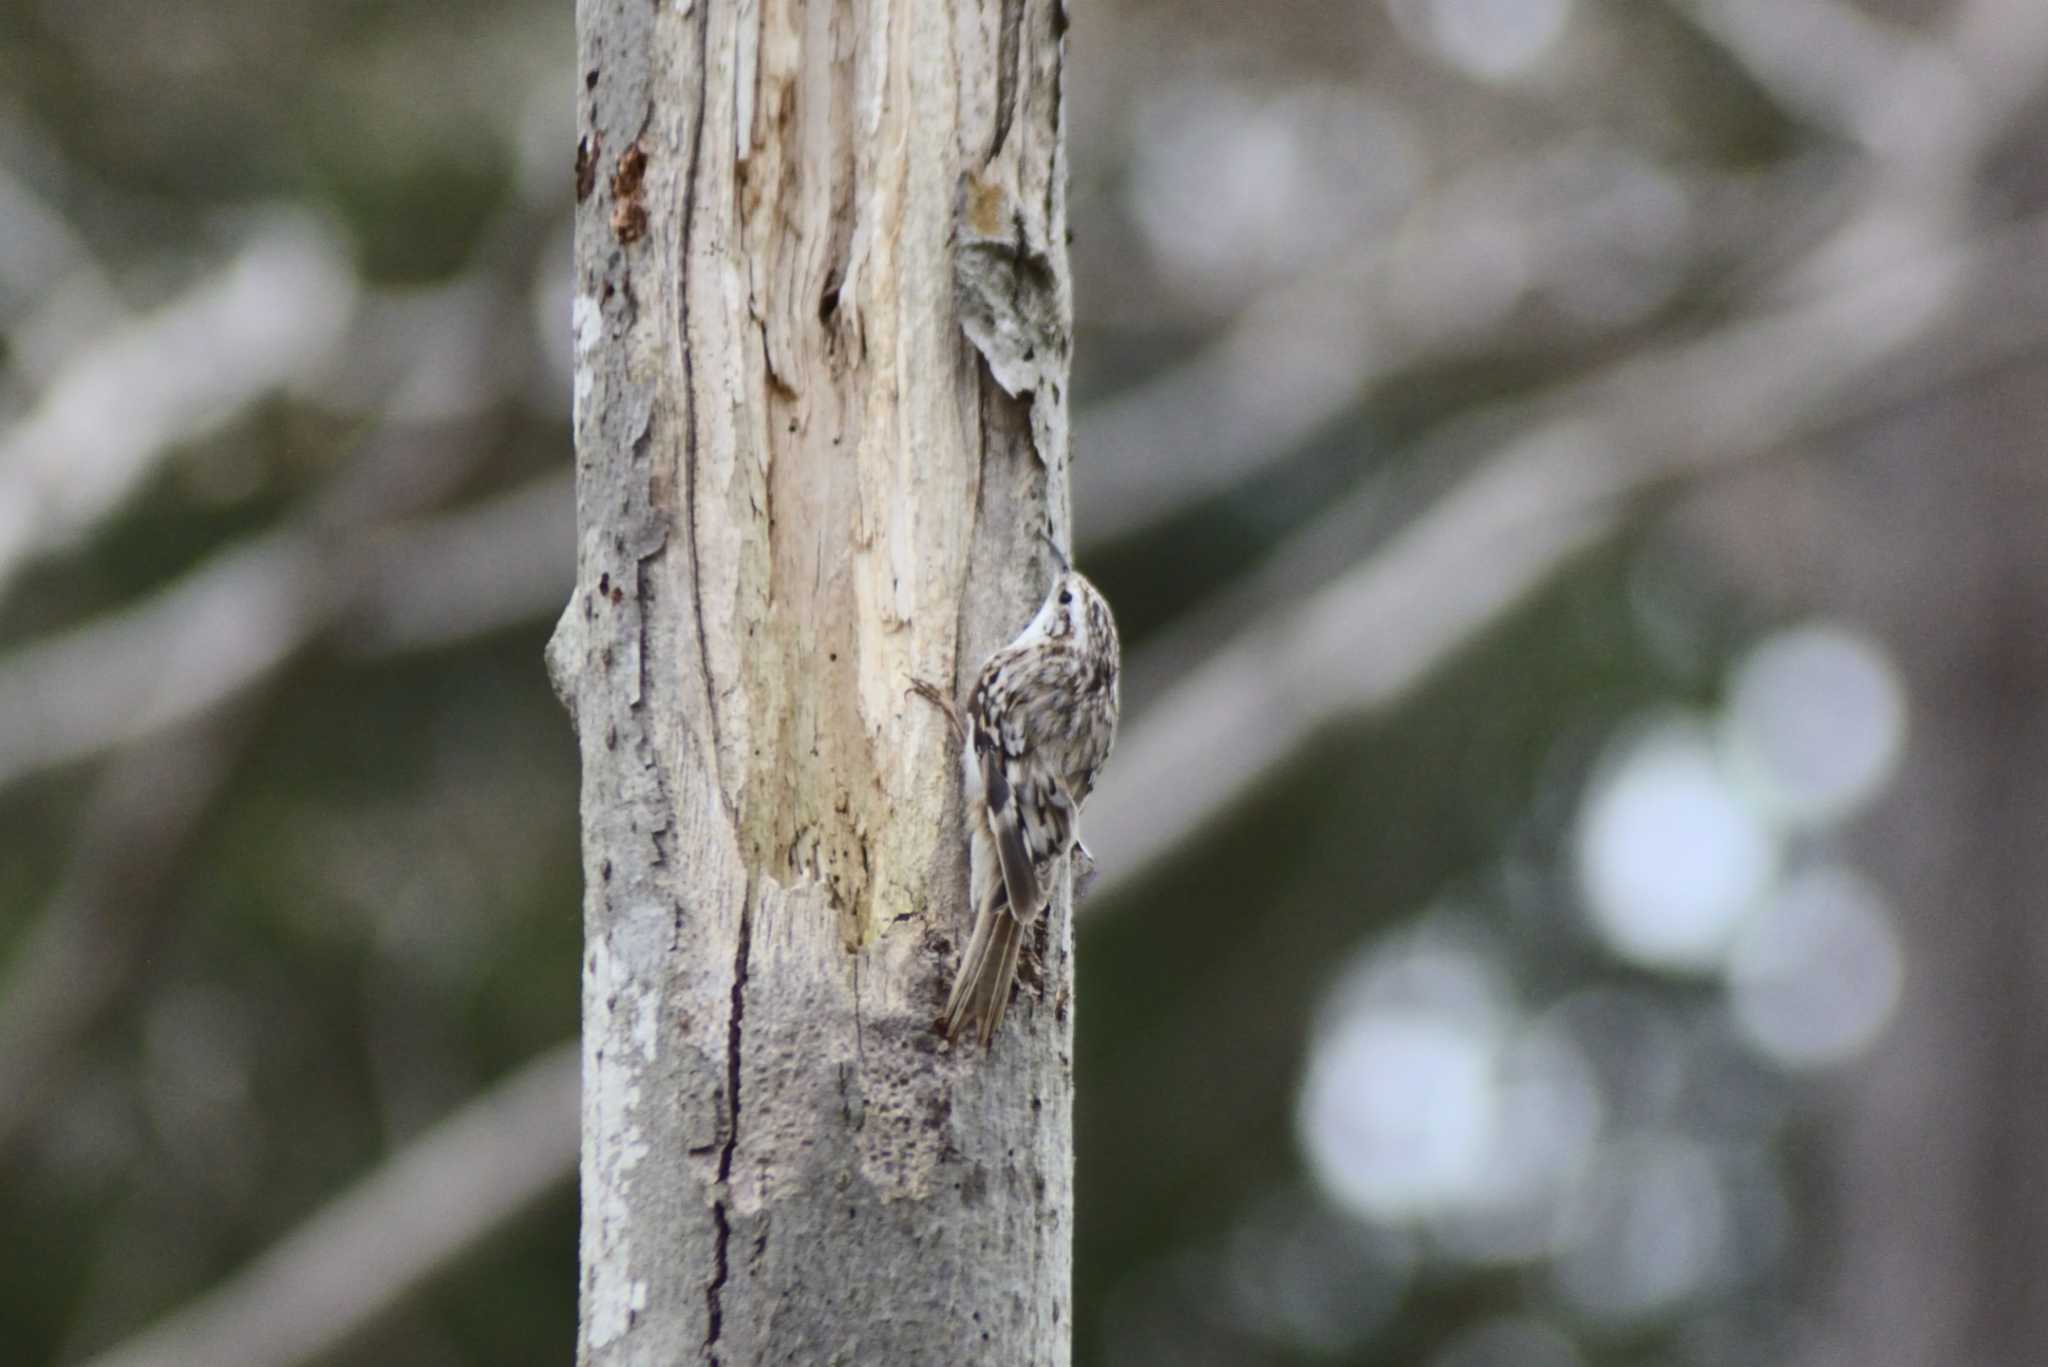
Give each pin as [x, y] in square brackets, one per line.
[1066, 566]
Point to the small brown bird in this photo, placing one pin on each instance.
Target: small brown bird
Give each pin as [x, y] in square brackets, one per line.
[1039, 726]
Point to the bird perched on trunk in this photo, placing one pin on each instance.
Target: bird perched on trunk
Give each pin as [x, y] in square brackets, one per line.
[1039, 726]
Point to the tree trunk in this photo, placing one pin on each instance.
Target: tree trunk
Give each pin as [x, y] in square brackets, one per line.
[822, 330]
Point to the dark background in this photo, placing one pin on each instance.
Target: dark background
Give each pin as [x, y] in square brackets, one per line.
[1570, 476]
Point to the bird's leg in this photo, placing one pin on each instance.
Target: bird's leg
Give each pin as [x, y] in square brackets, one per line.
[1082, 860]
[931, 694]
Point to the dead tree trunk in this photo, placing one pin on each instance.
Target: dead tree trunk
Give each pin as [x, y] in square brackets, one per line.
[822, 332]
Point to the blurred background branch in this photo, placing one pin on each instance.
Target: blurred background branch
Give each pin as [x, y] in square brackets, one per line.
[376, 1242]
[235, 620]
[1555, 490]
[131, 398]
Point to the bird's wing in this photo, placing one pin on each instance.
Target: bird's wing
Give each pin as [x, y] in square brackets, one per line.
[1013, 850]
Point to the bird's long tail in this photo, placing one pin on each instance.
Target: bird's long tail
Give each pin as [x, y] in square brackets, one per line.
[981, 992]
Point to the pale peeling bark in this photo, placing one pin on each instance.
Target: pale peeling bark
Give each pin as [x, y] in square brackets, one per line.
[822, 325]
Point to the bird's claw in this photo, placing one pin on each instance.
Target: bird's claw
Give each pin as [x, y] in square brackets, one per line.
[931, 694]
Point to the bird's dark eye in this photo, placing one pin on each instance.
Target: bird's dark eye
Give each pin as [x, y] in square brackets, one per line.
[1066, 596]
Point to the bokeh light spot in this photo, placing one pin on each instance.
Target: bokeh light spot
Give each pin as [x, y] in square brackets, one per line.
[1670, 856]
[1814, 979]
[1649, 1230]
[1398, 1110]
[1431, 1102]
[1816, 723]
[1493, 40]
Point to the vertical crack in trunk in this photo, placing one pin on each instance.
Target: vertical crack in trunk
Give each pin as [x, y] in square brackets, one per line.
[1009, 45]
[682, 276]
[721, 1201]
